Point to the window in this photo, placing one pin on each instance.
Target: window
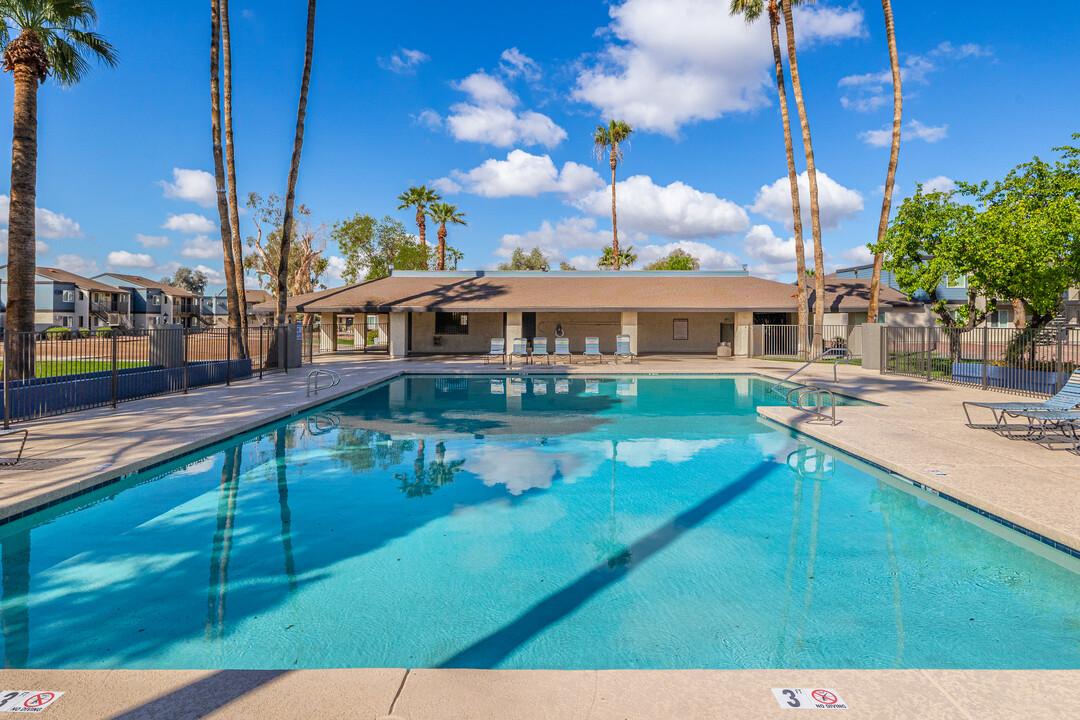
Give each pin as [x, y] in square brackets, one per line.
[956, 282]
[81, 320]
[680, 329]
[1000, 318]
[69, 296]
[67, 321]
[155, 300]
[451, 323]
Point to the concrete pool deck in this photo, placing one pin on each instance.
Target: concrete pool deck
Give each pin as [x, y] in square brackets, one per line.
[917, 431]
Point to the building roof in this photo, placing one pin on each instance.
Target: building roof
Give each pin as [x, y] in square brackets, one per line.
[604, 291]
[148, 283]
[256, 296]
[853, 295]
[77, 280]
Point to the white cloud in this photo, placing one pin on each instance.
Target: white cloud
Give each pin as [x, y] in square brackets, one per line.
[403, 61]
[515, 63]
[77, 264]
[773, 255]
[858, 255]
[913, 130]
[870, 91]
[711, 259]
[125, 259]
[335, 267]
[939, 184]
[835, 202]
[201, 247]
[429, 119]
[151, 241]
[188, 223]
[47, 224]
[675, 62]
[676, 210]
[560, 241]
[197, 186]
[490, 117]
[521, 174]
[213, 276]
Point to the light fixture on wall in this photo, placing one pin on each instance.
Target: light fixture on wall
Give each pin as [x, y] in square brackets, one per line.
[558, 330]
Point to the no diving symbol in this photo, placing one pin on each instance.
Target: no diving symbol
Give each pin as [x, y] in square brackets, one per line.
[38, 700]
[824, 697]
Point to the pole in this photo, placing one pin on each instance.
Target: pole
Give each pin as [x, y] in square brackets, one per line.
[986, 358]
[927, 355]
[228, 355]
[7, 393]
[115, 377]
[262, 360]
[183, 340]
[1059, 375]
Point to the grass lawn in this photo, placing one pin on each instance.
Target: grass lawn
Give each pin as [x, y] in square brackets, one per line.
[826, 361]
[53, 368]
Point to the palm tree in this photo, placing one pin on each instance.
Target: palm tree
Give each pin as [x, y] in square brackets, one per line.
[610, 138]
[420, 198]
[608, 258]
[236, 343]
[443, 213]
[55, 37]
[294, 170]
[811, 171]
[751, 11]
[890, 177]
[230, 164]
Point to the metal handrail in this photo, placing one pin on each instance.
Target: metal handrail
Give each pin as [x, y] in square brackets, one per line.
[322, 423]
[845, 356]
[814, 410]
[314, 375]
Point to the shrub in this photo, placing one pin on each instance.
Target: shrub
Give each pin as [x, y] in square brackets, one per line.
[82, 332]
[58, 333]
[372, 336]
[105, 332]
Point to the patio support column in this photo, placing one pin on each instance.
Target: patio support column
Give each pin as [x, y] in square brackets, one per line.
[629, 327]
[359, 330]
[327, 332]
[744, 321]
[513, 328]
[399, 329]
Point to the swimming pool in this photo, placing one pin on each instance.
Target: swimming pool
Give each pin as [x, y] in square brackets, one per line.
[540, 522]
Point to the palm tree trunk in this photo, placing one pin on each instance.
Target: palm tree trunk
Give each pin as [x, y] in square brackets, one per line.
[236, 348]
[22, 238]
[886, 203]
[614, 216]
[793, 180]
[230, 164]
[442, 246]
[294, 169]
[421, 227]
[811, 171]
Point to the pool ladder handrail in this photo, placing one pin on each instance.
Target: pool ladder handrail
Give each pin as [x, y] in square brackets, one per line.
[322, 423]
[815, 409]
[314, 375]
[845, 356]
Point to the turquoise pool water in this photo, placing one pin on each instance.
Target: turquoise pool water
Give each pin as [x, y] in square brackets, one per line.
[643, 522]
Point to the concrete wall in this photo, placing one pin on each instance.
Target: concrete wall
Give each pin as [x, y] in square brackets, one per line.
[578, 326]
[483, 326]
[656, 332]
[911, 317]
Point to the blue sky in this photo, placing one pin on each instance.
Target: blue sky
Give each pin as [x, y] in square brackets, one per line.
[496, 105]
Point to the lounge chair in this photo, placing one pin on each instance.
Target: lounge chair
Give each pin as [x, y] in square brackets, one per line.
[592, 350]
[562, 349]
[520, 350]
[622, 348]
[498, 386]
[562, 387]
[1047, 427]
[498, 350]
[1066, 398]
[539, 349]
[539, 387]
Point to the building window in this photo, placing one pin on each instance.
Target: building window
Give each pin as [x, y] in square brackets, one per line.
[69, 296]
[451, 323]
[956, 283]
[81, 320]
[155, 300]
[680, 329]
[67, 321]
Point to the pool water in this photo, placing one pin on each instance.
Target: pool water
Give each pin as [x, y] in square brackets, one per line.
[633, 522]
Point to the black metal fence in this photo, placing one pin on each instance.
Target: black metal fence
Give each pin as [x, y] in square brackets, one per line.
[1023, 361]
[62, 371]
[793, 341]
[373, 338]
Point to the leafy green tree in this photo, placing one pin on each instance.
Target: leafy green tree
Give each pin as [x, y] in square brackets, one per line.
[55, 38]
[532, 260]
[442, 213]
[191, 280]
[610, 261]
[566, 267]
[610, 138]
[420, 198]
[372, 248]
[676, 260]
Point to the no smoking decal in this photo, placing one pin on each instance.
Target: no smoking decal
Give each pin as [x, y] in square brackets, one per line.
[27, 701]
[809, 699]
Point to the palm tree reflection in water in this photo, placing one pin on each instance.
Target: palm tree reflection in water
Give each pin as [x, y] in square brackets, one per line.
[608, 546]
[426, 479]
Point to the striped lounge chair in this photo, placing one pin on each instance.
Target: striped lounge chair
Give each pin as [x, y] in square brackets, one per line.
[622, 348]
[562, 349]
[498, 350]
[592, 350]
